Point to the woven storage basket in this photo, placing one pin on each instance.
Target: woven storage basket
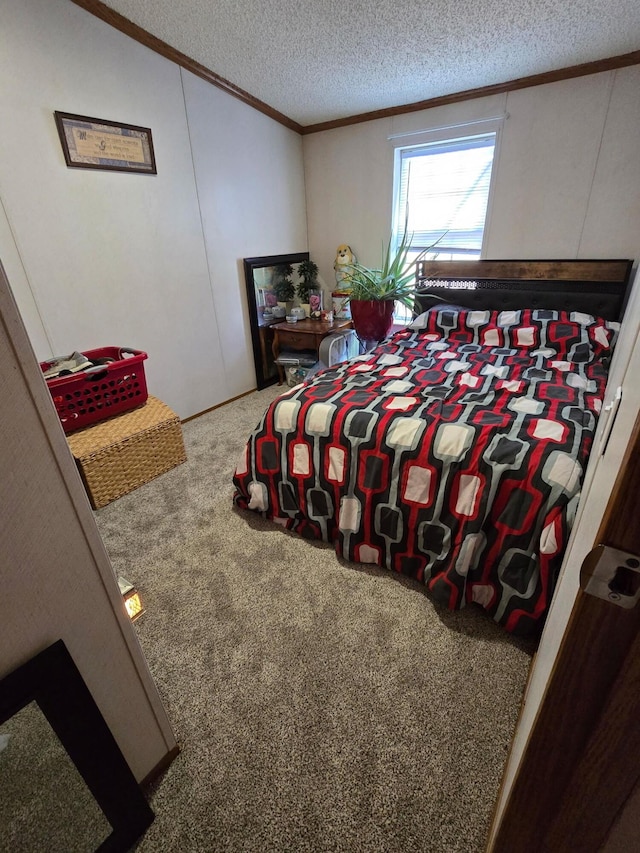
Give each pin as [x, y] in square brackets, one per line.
[119, 455]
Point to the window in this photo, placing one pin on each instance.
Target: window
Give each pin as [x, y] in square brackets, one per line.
[444, 187]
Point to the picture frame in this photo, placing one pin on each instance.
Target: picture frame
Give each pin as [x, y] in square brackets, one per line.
[93, 143]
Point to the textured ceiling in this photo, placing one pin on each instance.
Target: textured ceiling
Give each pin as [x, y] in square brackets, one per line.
[318, 60]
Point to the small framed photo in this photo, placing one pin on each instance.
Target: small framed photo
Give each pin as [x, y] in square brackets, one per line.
[93, 143]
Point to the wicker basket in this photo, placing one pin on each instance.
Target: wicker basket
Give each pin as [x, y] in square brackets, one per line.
[118, 455]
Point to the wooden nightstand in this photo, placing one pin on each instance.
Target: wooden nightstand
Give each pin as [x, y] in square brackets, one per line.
[305, 334]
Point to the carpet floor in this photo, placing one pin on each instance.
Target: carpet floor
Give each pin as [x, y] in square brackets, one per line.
[319, 705]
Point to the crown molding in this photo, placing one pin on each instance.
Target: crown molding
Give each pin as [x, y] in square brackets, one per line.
[119, 22]
[568, 73]
[115, 19]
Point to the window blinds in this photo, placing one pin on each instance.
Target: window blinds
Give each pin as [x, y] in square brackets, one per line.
[446, 186]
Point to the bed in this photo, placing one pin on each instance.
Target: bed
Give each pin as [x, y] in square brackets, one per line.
[455, 450]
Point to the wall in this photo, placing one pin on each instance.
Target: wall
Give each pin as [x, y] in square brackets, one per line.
[149, 261]
[57, 581]
[566, 179]
[249, 177]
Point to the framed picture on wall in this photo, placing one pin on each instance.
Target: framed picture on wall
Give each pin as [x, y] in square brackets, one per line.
[93, 143]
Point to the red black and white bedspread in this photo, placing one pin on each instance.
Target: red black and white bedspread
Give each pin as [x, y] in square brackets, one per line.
[453, 453]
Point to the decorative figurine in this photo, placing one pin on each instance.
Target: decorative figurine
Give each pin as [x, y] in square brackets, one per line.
[344, 259]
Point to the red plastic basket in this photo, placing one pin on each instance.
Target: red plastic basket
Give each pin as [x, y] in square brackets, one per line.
[102, 391]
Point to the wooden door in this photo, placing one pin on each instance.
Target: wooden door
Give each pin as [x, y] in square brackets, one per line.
[582, 759]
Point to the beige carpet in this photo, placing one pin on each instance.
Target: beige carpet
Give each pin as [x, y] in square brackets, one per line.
[319, 705]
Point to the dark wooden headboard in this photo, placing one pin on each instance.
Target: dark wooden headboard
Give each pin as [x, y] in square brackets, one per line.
[597, 287]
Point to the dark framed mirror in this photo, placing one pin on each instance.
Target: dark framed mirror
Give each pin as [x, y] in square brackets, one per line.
[260, 276]
[52, 681]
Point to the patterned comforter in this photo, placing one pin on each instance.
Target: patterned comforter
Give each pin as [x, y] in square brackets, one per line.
[453, 453]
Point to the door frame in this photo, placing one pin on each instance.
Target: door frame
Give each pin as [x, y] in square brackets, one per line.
[580, 764]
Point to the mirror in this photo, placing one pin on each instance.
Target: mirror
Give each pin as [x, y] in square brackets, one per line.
[260, 276]
[45, 803]
[51, 682]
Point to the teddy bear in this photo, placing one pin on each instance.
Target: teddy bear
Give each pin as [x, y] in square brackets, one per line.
[344, 259]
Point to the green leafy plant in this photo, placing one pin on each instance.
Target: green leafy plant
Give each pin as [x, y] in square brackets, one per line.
[394, 279]
[308, 272]
[283, 286]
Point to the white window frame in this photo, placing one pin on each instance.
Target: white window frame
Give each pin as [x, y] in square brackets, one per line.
[453, 134]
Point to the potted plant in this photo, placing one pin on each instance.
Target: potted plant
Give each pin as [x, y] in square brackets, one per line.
[373, 293]
[283, 286]
[308, 273]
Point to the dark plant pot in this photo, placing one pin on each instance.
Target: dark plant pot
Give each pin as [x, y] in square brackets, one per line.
[372, 318]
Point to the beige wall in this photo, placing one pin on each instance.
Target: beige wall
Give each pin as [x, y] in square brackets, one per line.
[250, 179]
[566, 180]
[57, 581]
[148, 261]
